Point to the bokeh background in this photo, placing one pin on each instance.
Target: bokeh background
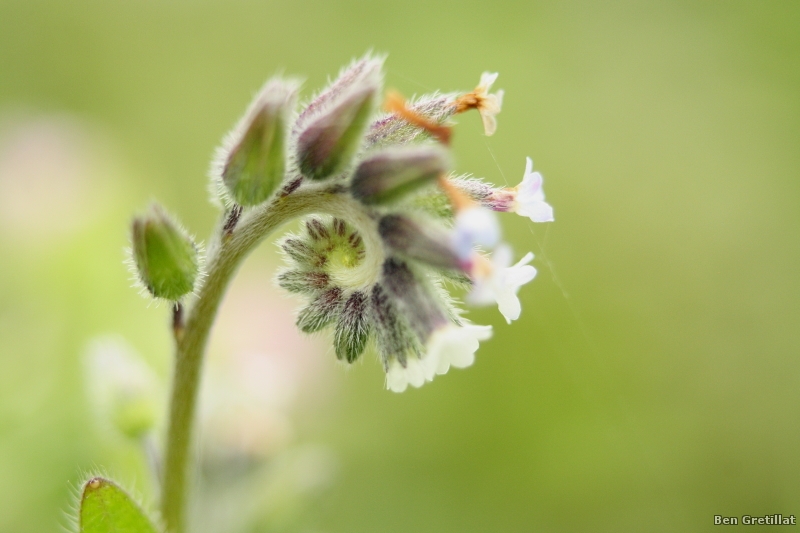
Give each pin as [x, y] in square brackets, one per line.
[652, 380]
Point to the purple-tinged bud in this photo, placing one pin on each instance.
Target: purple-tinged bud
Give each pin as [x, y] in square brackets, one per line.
[350, 78]
[303, 281]
[165, 256]
[327, 145]
[256, 163]
[352, 328]
[423, 242]
[322, 311]
[393, 338]
[389, 175]
[394, 130]
[413, 298]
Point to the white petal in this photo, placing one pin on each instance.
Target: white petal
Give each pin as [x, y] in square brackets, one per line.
[487, 79]
[536, 211]
[415, 372]
[509, 306]
[489, 123]
[530, 187]
[529, 201]
[455, 345]
[475, 226]
[482, 293]
[501, 258]
[499, 99]
[430, 361]
[518, 276]
[527, 258]
[396, 377]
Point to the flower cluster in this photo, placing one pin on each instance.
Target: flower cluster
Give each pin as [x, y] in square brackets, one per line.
[391, 226]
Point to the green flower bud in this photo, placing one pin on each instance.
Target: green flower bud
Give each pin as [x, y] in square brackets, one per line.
[123, 390]
[391, 174]
[255, 165]
[326, 146]
[165, 256]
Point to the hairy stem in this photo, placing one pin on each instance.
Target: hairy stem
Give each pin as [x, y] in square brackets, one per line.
[225, 256]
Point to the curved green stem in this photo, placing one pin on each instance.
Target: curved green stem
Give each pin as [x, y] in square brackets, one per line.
[224, 258]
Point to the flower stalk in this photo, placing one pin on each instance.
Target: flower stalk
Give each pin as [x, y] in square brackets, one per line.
[224, 259]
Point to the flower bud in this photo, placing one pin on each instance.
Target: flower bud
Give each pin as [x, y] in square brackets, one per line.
[255, 165]
[391, 174]
[352, 328]
[393, 129]
[321, 312]
[327, 145]
[123, 389]
[423, 242]
[412, 297]
[165, 256]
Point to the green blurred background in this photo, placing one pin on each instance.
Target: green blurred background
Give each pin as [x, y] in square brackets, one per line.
[652, 379]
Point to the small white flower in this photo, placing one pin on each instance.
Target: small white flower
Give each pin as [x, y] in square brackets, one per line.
[475, 226]
[450, 345]
[499, 282]
[453, 345]
[488, 104]
[399, 377]
[529, 201]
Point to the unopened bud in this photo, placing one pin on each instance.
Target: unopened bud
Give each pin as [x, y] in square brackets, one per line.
[413, 297]
[255, 166]
[123, 390]
[321, 312]
[327, 145]
[423, 242]
[391, 174]
[352, 328]
[165, 256]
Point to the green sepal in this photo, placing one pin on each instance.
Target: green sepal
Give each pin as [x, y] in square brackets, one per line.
[106, 508]
[166, 257]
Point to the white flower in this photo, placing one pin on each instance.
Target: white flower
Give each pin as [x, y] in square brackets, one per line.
[453, 345]
[450, 345]
[529, 200]
[499, 282]
[488, 104]
[399, 377]
[475, 226]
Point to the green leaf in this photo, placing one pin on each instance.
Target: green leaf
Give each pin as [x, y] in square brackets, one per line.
[106, 508]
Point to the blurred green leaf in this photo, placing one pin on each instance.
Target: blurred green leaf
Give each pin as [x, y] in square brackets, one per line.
[106, 508]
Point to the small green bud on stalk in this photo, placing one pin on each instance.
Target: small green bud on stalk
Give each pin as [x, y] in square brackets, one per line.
[393, 173]
[123, 389]
[327, 145]
[165, 256]
[256, 164]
